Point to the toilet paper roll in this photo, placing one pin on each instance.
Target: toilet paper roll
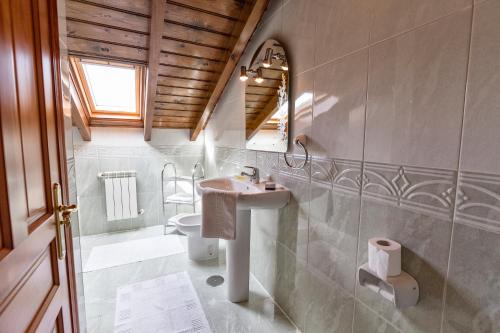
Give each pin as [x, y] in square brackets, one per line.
[384, 257]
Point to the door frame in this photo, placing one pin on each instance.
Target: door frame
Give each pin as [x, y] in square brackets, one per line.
[56, 65]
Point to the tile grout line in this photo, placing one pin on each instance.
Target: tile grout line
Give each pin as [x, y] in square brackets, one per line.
[374, 44]
[362, 172]
[460, 146]
[276, 303]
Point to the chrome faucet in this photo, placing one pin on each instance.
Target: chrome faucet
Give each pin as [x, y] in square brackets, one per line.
[254, 176]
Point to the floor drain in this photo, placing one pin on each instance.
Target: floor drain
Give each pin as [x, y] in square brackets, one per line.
[215, 280]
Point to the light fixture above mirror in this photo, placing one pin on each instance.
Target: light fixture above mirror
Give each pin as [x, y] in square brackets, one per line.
[256, 74]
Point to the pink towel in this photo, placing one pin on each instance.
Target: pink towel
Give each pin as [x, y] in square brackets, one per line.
[219, 214]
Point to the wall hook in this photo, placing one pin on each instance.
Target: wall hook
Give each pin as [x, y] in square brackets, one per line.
[299, 140]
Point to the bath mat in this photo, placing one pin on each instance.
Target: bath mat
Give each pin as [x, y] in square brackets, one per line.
[168, 304]
[128, 252]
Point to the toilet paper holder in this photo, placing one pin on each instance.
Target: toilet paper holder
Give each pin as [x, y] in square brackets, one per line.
[401, 290]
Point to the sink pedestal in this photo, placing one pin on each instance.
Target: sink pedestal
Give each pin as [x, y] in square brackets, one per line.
[250, 196]
[238, 259]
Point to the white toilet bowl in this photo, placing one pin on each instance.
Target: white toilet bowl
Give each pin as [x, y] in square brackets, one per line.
[199, 248]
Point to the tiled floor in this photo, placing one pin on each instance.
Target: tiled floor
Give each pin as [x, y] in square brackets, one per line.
[259, 314]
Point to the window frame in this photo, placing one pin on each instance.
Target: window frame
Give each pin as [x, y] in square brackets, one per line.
[103, 117]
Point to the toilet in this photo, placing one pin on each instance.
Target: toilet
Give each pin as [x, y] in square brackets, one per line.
[199, 248]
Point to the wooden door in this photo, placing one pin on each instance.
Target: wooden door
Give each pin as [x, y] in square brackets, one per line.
[36, 285]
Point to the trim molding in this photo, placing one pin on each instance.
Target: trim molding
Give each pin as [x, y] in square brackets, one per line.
[425, 190]
[478, 200]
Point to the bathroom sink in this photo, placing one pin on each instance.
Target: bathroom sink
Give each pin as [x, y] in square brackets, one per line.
[251, 195]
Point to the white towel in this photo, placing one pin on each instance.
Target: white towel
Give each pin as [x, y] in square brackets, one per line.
[219, 214]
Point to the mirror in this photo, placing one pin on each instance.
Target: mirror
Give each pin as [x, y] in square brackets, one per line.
[266, 98]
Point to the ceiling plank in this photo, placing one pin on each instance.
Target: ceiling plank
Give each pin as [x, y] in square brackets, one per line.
[216, 7]
[248, 29]
[180, 119]
[196, 18]
[189, 61]
[97, 14]
[188, 92]
[189, 49]
[194, 35]
[141, 7]
[169, 124]
[92, 31]
[155, 37]
[182, 72]
[262, 117]
[178, 113]
[184, 82]
[178, 107]
[107, 51]
[264, 91]
[181, 100]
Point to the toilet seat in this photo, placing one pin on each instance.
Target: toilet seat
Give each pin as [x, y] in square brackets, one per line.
[199, 248]
[188, 224]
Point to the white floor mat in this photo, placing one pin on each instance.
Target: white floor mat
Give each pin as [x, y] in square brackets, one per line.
[168, 304]
[122, 253]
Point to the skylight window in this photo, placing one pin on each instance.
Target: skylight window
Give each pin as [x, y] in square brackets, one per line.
[110, 93]
[113, 88]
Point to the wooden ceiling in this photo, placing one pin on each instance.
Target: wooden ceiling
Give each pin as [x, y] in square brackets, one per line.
[190, 47]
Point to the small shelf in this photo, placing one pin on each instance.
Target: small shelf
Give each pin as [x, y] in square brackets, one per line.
[182, 199]
[179, 198]
[183, 178]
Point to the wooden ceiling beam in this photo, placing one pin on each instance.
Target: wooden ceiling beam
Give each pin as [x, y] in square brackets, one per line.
[155, 38]
[240, 45]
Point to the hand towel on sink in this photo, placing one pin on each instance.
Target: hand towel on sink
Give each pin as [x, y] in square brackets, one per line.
[219, 214]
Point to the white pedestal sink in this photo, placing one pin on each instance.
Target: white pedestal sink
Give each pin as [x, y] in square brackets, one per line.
[238, 250]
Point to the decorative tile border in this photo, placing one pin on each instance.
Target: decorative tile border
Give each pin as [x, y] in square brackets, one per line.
[302, 174]
[478, 200]
[339, 174]
[425, 190]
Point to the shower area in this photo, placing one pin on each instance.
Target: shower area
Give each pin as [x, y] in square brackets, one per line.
[124, 235]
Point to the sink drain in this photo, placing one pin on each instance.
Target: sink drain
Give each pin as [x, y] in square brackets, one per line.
[215, 280]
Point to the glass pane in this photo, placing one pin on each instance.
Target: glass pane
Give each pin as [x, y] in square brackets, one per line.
[112, 87]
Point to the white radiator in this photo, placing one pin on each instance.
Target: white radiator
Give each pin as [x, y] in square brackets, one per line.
[121, 195]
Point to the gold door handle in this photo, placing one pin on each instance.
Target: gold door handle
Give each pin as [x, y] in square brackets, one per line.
[66, 212]
[62, 217]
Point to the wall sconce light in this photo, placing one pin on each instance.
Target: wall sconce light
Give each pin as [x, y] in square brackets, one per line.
[284, 65]
[268, 58]
[246, 73]
[259, 79]
[243, 74]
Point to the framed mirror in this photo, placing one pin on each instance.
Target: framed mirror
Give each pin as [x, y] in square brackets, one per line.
[267, 110]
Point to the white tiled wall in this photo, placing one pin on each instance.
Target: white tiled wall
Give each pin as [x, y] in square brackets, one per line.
[403, 120]
[118, 149]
